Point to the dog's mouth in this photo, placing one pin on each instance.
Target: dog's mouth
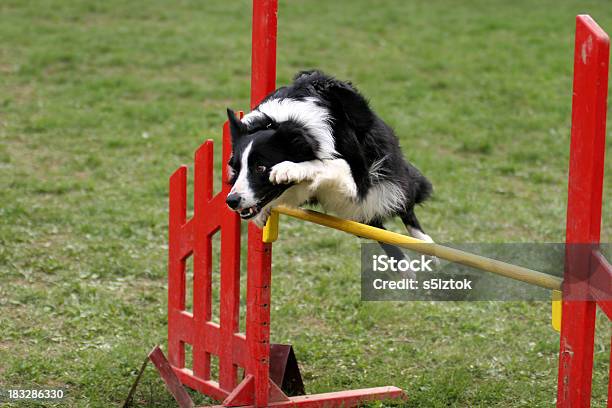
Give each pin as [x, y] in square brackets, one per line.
[249, 212]
[252, 211]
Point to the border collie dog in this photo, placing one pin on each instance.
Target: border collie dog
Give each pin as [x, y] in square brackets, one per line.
[317, 140]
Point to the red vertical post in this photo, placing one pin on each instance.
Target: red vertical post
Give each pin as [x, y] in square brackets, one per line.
[230, 279]
[587, 150]
[202, 256]
[263, 81]
[177, 216]
[263, 52]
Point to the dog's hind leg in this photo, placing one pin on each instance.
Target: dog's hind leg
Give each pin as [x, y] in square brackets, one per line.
[392, 251]
[413, 226]
[415, 230]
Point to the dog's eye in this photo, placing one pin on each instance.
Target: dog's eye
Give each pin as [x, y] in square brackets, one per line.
[261, 169]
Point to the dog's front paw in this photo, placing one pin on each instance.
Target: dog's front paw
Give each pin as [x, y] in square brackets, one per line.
[261, 218]
[287, 172]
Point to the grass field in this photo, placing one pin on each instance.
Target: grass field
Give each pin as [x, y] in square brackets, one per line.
[100, 102]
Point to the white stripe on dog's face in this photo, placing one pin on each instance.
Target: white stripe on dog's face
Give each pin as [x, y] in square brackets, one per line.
[241, 186]
[308, 113]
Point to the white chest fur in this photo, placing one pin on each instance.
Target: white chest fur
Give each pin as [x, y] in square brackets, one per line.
[332, 184]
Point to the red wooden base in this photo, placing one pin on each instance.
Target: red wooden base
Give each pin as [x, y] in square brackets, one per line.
[343, 399]
[244, 394]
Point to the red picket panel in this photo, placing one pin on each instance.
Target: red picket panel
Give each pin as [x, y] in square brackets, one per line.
[193, 237]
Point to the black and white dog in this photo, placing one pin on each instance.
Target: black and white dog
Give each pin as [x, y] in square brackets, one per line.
[317, 140]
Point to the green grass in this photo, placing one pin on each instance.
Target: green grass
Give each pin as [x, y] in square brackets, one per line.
[100, 102]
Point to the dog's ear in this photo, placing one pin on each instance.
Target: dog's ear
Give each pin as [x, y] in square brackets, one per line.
[354, 105]
[296, 139]
[237, 128]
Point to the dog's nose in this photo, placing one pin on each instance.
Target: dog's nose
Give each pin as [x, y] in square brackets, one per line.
[233, 200]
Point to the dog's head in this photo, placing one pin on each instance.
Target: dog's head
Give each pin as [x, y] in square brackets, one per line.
[255, 150]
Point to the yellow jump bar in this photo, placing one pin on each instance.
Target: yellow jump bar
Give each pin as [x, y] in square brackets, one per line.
[270, 234]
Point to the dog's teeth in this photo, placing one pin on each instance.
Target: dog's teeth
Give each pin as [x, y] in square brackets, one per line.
[248, 212]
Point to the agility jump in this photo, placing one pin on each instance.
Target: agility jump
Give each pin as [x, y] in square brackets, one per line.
[251, 350]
